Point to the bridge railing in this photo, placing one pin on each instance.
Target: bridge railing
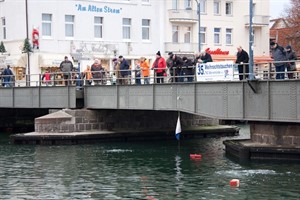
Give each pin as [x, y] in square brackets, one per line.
[262, 70]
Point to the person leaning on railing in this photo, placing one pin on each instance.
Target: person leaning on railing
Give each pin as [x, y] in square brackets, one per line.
[291, 66]
[242, 59]
[188, 69]
[7, 77]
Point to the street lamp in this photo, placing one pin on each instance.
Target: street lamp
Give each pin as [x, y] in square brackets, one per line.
[251, 76]
[199, 27]
[27, 36]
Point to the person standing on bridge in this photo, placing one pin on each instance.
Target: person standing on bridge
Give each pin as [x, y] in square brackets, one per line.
[279, 55]
[66, 67]
[159, 67]
[7, 77]
[145, 70]
[242, 59]
[291, 66]
[124, 71]
[98, 72]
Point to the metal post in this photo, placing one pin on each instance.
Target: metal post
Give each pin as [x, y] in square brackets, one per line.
[251, 75]
[199, 24]
[28, 53]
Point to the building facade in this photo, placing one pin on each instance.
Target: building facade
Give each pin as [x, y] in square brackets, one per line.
[91, 29]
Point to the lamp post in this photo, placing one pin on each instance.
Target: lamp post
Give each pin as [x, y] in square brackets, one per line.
[28, 53]
[251, 76]
[199, 25]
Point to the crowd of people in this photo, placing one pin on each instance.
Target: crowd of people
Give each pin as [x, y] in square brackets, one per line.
[173, 69]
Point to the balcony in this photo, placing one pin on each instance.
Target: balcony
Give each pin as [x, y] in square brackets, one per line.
[183, 15]
[181, 47]
[258, 20]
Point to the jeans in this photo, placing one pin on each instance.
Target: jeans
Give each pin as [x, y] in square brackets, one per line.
[280, 71]
[146, 80]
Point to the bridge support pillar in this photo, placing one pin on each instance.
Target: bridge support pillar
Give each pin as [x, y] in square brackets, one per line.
[269, 141]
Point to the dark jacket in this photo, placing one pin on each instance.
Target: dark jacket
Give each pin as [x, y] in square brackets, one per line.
[242, 57]
[66, 66]
[124, 67]
[206, 58]
[189, 67]
[279, 54]
[291, 55]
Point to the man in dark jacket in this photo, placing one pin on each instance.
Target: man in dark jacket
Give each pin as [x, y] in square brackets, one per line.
[291, 66]
[205, 57]
[7, 77]
[66, 67]
[124, 71]
[279, 55]
[242, 59]
[177, 70]
[188, 69]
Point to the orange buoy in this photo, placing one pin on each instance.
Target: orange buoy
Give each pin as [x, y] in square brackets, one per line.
[195, 156]
[234, 183]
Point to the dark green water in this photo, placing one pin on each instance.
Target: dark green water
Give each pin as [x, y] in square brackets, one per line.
[140, 170]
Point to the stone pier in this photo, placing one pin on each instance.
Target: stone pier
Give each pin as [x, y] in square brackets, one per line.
[269, 141]
[86, 126]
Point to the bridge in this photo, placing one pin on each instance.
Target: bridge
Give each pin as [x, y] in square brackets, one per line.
[260, 100]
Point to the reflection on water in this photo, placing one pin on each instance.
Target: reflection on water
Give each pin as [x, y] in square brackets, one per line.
[140, 170]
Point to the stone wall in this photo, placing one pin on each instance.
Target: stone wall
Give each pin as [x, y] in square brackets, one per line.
[276, 134]
[67, 121]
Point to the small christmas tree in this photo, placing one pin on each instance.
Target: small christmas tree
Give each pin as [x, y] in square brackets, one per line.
[27, 47]
[2, 48]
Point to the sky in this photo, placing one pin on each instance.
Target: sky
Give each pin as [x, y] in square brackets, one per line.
[277, 7]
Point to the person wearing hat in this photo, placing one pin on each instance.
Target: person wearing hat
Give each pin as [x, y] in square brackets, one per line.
[159, 67]
[291, 66]
[279, 55]
[145, 70]
[66, 67]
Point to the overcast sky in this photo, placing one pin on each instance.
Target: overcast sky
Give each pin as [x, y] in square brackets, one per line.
[277, 7]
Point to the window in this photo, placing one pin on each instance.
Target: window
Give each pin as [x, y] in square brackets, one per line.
[98, 27]
[228, 8]
[217, 5]
[174, 4]
[228, 36]
[203, 34]
[187, 35]
[69, 25]
[126, 28]
[187, 4]
[175, 34]
[145, 29]
[3, 22]
[203, 6]
[217, 33]
[46, 24]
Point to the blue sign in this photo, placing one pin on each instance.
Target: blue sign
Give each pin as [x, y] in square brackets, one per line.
[93, 8]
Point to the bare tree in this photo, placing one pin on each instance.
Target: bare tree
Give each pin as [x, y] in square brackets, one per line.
[292, 17]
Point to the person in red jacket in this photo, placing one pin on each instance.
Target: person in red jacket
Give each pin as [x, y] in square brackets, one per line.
[159, 67]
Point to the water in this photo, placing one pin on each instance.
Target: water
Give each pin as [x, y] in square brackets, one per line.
[140, 170]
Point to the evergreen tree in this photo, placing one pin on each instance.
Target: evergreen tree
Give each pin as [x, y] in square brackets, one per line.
[2, 48]
[27, 47]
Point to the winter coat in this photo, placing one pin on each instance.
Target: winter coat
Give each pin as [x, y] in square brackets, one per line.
[145, 68]
[206, 58]
[279, 54]
[159, 64]
[124, 67]
[242, 57]
[66, 66]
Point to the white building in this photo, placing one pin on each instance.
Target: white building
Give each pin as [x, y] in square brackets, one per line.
[133, 28]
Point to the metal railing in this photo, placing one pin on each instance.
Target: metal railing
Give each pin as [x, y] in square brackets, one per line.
[262, 71]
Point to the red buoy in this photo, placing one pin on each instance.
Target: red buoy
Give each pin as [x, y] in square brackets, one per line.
[195, 156]
[234, 183]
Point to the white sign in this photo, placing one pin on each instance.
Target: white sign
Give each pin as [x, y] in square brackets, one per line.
[215, 71]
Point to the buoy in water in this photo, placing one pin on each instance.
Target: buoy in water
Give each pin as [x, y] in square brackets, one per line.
[234, 183]
[195, 156]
